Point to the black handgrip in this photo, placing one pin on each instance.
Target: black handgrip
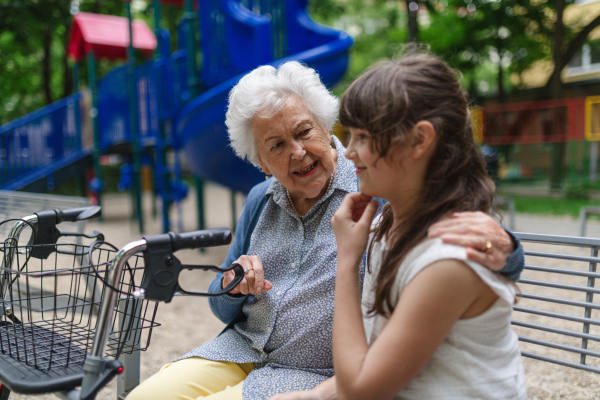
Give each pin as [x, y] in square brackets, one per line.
[239, 275]
[202, 238]
[46, 232]
[78, 214]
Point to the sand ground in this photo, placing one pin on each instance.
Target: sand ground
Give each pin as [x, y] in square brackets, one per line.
[187, 321]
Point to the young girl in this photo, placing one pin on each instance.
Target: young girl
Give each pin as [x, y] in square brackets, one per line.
[433, 325]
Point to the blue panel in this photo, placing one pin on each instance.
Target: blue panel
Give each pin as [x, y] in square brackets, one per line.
[45, 137]
[113, 109]
[233, 40]
[113, 106]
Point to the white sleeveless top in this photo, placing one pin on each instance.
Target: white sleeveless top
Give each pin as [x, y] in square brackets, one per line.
[480, 357]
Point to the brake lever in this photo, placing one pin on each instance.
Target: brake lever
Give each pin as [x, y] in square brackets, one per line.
[237, 269]
[92, 235]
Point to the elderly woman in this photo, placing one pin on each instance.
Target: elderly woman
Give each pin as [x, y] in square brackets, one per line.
[279, 333]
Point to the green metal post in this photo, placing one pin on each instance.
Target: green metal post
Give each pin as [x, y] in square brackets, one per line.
[558, 165]
[75, 70]
[163, 180]
[156, 6]
[133, 117]
[191, 49]
[95, 126]
[193, 84]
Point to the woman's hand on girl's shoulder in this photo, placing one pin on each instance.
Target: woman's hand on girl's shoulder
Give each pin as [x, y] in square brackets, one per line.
[486, 240]
[352, 223]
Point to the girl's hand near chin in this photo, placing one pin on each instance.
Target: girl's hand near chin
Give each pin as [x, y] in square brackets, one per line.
[352, 224]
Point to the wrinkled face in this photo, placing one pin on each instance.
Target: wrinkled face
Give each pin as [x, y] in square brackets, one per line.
[378, 177]
[295, 149]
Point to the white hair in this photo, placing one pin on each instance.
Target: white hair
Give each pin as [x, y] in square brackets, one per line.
[266, 90]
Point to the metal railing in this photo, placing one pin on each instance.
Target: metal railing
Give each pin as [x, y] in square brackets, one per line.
[556, 317]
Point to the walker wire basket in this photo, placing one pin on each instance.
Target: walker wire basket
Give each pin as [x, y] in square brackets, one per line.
[49, 312]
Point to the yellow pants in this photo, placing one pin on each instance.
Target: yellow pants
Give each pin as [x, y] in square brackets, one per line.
[194, 378]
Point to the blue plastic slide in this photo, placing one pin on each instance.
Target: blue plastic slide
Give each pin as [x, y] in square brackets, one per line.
[239, 41]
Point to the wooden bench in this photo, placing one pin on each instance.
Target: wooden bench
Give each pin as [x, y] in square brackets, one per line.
[557, 315]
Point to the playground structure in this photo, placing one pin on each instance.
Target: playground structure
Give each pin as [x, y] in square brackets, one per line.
[153, 112]
[156, 109]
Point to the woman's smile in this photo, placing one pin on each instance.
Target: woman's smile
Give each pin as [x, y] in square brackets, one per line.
[308, 170]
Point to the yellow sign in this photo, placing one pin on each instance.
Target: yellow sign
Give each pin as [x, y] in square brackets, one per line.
[477, 123]
[592, 118]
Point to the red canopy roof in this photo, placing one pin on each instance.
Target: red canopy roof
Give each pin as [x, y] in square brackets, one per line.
[108, 36]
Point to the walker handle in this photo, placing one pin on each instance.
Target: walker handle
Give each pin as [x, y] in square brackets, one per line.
[202, 238]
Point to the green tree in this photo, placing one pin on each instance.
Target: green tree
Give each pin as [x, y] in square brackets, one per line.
[32, 35]
[507, 36]
[378, 28]
[34, 67]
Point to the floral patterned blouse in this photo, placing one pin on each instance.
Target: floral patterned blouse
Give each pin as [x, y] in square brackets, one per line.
[288, 329]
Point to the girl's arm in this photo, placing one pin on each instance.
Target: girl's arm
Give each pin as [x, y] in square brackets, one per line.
[427, 309]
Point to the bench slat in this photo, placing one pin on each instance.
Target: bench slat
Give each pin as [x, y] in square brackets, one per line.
[556, 315]
[563, 271]
[572, 349]
[561, 362]
[570, 257]
[565, 286]
[557, 300]
[564, 332]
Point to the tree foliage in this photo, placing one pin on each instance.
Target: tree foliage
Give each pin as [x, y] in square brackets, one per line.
[490, 41]
[34, 68]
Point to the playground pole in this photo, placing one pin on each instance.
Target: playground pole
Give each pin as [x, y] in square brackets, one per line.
[95, 128]
[162, 181]
[191, 49]
[156, 7]
[192, 82]
[133, 117]
[75, 76]
[75, 69]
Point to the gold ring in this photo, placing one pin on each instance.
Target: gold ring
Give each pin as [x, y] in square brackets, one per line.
[487, 247]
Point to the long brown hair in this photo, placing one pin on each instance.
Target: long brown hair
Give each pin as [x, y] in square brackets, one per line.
[388, 101]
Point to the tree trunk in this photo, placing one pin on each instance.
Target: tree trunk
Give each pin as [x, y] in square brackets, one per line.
[557, 50]
[412, 10]
[501, 92]
[67, 75]
[500, 49]
[558, 151]
[572, 48]
[46, 73]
